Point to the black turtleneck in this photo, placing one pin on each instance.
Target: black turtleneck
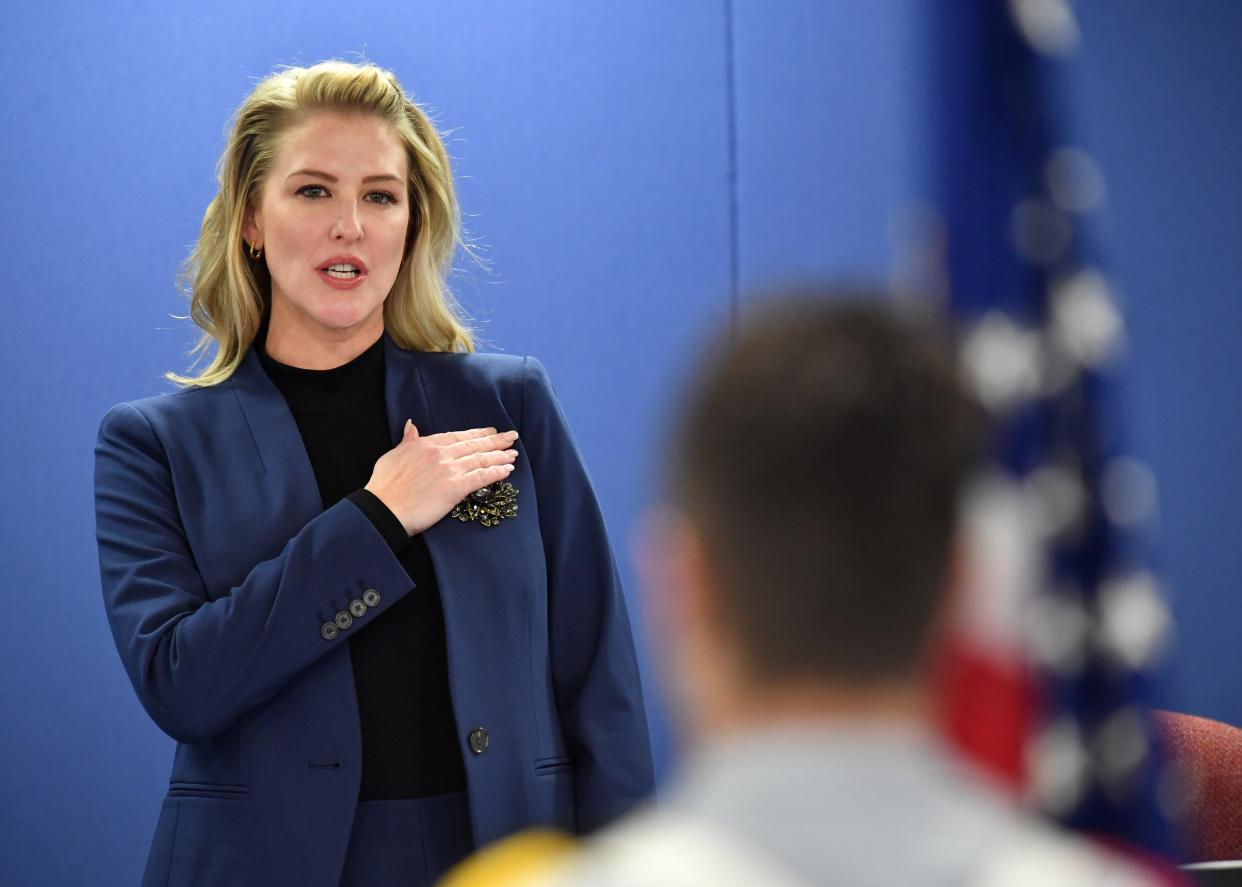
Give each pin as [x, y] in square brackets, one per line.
[409, 738]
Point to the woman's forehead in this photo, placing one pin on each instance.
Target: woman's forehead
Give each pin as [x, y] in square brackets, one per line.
[341, 145]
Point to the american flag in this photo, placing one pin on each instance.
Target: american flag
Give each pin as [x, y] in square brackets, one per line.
[1053, 683]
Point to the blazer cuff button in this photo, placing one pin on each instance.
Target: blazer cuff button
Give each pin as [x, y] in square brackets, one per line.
[328, 631]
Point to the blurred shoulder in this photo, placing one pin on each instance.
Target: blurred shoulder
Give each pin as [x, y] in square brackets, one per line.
[656, 846]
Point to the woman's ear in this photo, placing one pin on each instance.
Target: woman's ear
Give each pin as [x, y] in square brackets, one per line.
[252, 226]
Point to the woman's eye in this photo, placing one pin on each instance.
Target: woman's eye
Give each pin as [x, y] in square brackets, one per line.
[306, 189]
[384, 197]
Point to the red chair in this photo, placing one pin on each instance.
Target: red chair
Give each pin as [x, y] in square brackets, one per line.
[1207, 756]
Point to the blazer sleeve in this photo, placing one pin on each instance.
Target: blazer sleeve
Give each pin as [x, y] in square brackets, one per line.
[594, 668]
[198, 662]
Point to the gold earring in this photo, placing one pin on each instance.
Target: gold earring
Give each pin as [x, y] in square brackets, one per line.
[255, 254]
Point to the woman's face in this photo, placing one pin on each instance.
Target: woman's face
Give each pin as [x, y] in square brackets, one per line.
[336, 196]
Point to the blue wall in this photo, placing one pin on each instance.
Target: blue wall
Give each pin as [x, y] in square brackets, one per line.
[595, 145]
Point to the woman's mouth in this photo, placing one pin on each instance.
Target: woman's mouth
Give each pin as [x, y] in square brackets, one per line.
[342, 272]
[342, 277]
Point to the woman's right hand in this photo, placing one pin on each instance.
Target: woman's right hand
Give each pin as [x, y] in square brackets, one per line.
[422, 478]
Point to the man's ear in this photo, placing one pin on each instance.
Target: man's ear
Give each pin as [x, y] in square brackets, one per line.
[681, 601]
[670, 564]
[953, 613]
[685, 620]
[701, 597]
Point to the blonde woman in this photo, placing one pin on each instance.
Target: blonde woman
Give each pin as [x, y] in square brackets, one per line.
[356, 570]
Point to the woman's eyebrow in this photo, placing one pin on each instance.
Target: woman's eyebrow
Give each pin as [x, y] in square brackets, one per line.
[320, 174]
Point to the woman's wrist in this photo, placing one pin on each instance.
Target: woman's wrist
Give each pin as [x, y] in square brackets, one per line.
[378, 512]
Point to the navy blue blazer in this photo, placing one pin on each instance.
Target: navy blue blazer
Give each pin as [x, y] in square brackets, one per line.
[220, 565]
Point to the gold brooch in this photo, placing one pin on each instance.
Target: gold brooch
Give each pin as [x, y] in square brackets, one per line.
[489, 505]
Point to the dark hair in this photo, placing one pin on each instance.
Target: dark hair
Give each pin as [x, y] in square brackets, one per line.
[821, 455]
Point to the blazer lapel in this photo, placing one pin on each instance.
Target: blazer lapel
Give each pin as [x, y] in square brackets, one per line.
[288, 479]
[475, 566]
[289, 489]
[404, 394]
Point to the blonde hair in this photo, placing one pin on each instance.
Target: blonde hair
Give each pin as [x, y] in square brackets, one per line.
[229, 292]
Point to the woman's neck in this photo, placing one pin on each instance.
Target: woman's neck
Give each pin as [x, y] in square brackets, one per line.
[315, 347]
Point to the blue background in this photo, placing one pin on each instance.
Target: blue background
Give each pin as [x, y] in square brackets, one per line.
[628, 169]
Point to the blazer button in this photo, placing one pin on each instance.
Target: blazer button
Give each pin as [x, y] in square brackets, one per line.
[357, 609]
[344, 620]
[371, 597]
[478, 740]
[328, 631]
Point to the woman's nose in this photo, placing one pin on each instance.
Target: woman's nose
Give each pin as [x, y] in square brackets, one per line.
[348, 224]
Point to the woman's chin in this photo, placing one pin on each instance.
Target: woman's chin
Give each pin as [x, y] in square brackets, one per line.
[349, 317]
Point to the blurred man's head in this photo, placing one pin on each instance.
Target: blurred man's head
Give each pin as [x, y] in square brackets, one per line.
[814, 479]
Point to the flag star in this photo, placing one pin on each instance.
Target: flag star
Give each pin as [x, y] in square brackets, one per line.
[1058, 628]
[1060, 369]
[1085, 321]
[1005, 568]
[1048, 25]
[1059, 765]
[1001, 361]
[1134, 622]
[1041, 232]
[1120, 746]
[1074, 180]
[1128, 491]
[1058, 499]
